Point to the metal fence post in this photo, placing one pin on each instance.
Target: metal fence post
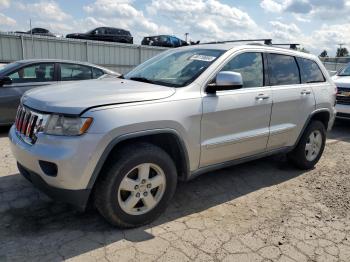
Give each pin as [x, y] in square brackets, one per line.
[87, 51]
[140, 54]
[22, 47]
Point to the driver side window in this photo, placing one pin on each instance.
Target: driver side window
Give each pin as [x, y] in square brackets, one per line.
[250, 65]
[43, 72]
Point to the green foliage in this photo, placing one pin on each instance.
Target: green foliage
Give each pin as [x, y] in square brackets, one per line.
[324, 53]
[343, 51]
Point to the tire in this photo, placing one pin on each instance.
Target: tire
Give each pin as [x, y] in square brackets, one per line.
[306, 159]
[124, 170]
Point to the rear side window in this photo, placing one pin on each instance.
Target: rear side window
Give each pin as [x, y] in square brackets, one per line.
[283, 70]
[310, 72]
[96, 73]
[71, 72]
[250, 65]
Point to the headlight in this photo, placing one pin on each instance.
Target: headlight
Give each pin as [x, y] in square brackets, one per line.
[67, 126]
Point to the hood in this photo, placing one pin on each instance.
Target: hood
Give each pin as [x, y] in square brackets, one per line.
[75, 97]
[341, 81]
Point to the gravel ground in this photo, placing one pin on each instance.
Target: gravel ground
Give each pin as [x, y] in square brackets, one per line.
[260, 211]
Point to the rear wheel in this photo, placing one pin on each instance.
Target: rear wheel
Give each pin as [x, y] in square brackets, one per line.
[310, 147]
[138, 184]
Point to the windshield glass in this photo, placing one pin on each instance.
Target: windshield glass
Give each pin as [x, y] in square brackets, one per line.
[8, 67]
[175, 68]
[345, 71]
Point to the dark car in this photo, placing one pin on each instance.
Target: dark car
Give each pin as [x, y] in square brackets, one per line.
[18, 77]
[108, 34]
[37, 31]
[164, 41]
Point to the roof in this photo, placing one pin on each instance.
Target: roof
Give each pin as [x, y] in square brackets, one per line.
[253, 45]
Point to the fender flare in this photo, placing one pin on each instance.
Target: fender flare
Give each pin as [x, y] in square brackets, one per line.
[139, 134]
[321, 110]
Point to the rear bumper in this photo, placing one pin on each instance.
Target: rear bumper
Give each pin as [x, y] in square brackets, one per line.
[77, 198]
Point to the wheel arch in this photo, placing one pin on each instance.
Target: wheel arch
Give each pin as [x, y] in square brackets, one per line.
[322, 115]
[163, 138]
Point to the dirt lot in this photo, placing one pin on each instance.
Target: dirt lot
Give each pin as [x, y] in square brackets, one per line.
[260, 211]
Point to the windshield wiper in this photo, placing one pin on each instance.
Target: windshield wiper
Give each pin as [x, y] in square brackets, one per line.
[141, 79]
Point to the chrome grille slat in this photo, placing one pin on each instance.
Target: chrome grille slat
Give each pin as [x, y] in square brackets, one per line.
[28, 124]
[25, 122]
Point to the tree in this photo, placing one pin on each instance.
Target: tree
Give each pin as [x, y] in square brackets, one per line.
[303, 49]
[342, 51]
[324, 53]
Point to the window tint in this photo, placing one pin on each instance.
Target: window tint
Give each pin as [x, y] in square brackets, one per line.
[100, 31]
[33, 73]
[70, 72]
[250, 65]
[310, 71]
[96, 73]
[175, 41]
[283, 70]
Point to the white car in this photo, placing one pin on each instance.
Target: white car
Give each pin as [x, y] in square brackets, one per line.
[342, 81]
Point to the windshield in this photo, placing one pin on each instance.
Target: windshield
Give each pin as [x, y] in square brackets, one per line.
[175, 68]
[8, 67]
[345, 71]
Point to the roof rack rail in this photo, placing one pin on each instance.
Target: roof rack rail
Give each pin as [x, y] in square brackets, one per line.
[266, 41]
[291, 46]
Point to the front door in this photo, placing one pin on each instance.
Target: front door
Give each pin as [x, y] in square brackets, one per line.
[235, 123]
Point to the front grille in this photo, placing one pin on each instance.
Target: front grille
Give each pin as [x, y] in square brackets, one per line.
[343, 96]
[28, 123]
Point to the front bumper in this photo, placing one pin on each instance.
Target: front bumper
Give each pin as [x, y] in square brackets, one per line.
[343, 111]
[75, 158]
[77, 198]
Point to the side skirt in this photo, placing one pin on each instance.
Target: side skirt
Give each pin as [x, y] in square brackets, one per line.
[210, 168]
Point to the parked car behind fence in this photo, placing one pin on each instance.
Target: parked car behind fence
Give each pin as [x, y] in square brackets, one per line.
[37, 31]
[164, 41]
[108, 34]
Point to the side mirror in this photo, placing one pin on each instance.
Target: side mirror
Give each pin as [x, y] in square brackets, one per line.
[225, 80]
[5, 80]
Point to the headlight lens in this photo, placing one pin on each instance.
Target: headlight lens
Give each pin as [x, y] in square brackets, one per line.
[67, 126]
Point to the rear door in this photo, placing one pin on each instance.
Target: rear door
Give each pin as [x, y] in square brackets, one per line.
[293, 101]
[235, 123]
[23, 79]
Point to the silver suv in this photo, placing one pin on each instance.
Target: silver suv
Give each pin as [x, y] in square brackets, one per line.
[122, 144]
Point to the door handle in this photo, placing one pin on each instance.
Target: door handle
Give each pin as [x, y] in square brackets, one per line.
[261, 97]
[305, 92]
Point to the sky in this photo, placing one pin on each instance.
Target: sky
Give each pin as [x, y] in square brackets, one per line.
[315, 24]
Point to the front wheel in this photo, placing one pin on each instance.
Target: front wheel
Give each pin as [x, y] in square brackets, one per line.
[310, 147]
[138, 185]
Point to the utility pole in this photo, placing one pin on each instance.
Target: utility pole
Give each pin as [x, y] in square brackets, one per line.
[340, 49]
[186, 36]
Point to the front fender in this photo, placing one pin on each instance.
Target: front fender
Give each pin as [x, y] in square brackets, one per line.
[114, 142]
